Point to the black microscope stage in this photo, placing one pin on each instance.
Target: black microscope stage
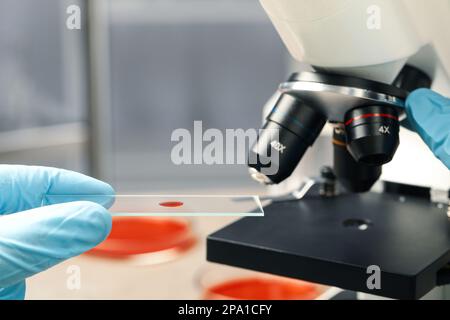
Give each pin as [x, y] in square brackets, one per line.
[333, 241]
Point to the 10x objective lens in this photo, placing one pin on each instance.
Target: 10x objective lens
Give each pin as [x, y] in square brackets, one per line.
[290, 129]
[372, 134]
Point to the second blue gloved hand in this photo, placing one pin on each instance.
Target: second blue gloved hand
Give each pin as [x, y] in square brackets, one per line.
[429, 115]
[33, 237]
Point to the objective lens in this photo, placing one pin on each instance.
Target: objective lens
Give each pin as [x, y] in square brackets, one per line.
[372, 134]
[354, 176]
[291, 128]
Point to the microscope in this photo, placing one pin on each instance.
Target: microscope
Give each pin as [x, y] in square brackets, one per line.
[366, 57]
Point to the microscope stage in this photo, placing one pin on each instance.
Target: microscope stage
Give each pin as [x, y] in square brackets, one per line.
[333, 241]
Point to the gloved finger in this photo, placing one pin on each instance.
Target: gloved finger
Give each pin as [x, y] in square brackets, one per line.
[429, 115]
[24, 187]
[35, 240]
[14, 292]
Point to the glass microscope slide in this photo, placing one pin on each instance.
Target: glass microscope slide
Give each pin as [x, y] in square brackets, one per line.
[162, 205]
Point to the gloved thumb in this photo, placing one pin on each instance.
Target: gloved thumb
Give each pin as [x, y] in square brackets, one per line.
[34, 240]
[429, 115]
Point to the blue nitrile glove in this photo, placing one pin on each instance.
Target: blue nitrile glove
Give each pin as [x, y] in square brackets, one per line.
[33, 237]
[429, 115]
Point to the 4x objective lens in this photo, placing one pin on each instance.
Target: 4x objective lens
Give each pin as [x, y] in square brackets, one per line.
[354, 176]
[372, 134]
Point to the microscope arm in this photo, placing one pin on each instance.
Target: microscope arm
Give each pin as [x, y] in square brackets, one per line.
[371, 39]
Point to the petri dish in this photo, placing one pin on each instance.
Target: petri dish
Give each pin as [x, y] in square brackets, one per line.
[147, 240]
[227, 283]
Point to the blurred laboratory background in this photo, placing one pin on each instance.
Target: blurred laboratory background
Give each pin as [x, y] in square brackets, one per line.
[105, 99]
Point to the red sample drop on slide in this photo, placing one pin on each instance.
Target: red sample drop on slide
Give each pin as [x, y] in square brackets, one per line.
[171, 204]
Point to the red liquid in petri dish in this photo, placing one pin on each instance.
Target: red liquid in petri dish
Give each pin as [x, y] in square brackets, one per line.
[259, 288]
[143, 235]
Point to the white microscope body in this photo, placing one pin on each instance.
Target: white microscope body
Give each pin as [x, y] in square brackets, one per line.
[373, 39]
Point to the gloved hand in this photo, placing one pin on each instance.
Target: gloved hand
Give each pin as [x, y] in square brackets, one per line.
[34, 237]
[429, 115]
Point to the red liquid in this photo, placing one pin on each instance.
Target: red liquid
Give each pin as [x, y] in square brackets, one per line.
[139, 235]
[263, 289]
[171, 204]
